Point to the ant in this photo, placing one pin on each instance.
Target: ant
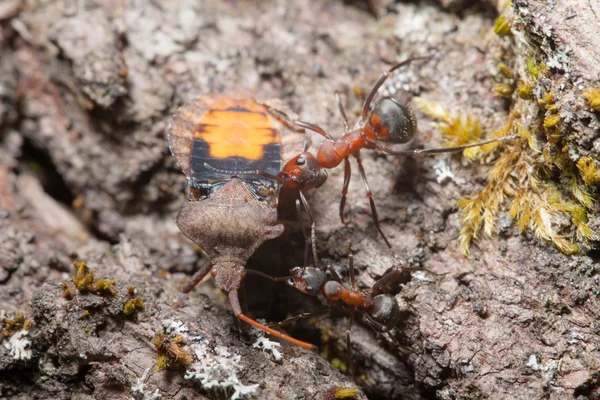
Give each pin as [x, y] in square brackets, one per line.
[388, 121]
[380, 310]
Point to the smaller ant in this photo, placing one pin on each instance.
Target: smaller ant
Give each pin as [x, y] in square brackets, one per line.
[388, 121]
[380, 310]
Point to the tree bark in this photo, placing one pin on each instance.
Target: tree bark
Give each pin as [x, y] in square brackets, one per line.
[86, 94]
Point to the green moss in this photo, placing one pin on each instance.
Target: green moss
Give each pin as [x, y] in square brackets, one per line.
[132, 305]
[501, 26]
[345, 393]
[8, 326]
[170, 351]
[589, 171]
[593, 97]
[525, 90]
[503, 90]
[84, 282]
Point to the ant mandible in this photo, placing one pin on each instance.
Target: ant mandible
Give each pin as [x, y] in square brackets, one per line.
[388, 121]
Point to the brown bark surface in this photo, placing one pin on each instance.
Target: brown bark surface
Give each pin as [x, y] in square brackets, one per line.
[86, 93]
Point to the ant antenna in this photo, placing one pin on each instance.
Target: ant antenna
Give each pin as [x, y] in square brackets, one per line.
[296, 123]
[342, 112]
[313, 235]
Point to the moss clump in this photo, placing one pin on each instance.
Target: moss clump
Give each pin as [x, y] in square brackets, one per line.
[501, 26]
[503, 90]
[589, 171]
[340, 393]
[170, 351]
[524, 89]
[8, 326]
[84, 282]
[520, 177]
[593, 97]
[134, 303]
[544, 191]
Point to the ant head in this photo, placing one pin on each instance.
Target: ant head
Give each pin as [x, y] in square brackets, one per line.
[308, 280]
[385, 310]
[303, 172]
[392, 121]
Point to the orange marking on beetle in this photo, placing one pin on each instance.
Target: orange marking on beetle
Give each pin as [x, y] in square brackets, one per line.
[235, 128]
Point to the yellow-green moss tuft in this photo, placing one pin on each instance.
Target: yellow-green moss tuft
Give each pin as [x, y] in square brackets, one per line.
[84, 282]
[170, 351]
[505, 71]
[345, 393]
[501, 27]
[503, 90]
[532, 68]
[589, 171]
[457, 130]
[525, 90]
[8, 326]
[593, 97]
[132, 305]
[551, 121]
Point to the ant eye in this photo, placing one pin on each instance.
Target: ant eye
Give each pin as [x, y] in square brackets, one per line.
[301, 161]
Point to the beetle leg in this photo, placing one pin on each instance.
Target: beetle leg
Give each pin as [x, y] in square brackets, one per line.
[237, 311]
[198, 276]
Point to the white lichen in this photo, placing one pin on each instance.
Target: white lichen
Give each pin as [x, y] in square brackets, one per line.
[267, 345]
[443, 172]
[139, 389]
[19, 345]
[175, 327]
[218, 368]
[532, 363]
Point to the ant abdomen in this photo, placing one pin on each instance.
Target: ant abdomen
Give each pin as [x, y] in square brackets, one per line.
[392, 121]
[385, 310]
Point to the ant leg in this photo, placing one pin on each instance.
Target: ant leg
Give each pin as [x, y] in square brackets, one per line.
[301, 316]
[382, 79]
[313, 235]
[333, 273]
[237, 311]
[390, 275]
[198, 276]
[385, 278]
[284, 118]
[347, 173]
[416, 153]
[306, 238]
[384, 329]
[361, 170]
[351, 268]
[342, 112]
[348, 344]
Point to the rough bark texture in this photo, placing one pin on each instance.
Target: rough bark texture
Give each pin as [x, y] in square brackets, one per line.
[86, 92]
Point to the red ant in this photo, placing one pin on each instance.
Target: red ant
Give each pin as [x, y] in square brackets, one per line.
[380, 310]
[389, 121]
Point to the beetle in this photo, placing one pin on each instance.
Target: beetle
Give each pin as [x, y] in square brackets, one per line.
[230, 216]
